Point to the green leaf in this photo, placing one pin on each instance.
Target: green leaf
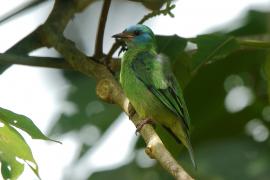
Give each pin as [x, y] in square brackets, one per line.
[13, 152]
[5, 170]
[212, 47]
[205, 96]
[12, 169]
[173, 47]
[22, 122]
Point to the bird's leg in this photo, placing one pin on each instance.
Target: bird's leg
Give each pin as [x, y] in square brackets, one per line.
[142, 123]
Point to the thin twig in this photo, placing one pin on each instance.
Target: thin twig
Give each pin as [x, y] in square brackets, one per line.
[108, 58]
[101, 28]
[49, 62]
[114, 47]
[165, 12]
[257, 44]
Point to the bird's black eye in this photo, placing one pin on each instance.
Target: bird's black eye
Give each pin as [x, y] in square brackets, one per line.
[137, 32]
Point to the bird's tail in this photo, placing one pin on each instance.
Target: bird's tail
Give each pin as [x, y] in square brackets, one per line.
[190, 151]
[179, 137]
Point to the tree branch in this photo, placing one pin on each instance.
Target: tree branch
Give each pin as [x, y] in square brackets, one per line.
[50, 62]
[101, 28]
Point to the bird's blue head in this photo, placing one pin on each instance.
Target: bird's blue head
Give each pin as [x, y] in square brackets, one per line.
[138, 36]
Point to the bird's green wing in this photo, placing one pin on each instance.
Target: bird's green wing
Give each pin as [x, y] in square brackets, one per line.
[154, 71]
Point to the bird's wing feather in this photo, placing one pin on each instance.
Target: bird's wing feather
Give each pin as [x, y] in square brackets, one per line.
[155, 73]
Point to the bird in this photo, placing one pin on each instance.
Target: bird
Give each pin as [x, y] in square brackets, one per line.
[148, 82]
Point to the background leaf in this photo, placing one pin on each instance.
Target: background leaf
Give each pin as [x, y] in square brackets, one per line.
[173, 47]
[22, 122]
[14, 150]
[212, 47]
[255, 23]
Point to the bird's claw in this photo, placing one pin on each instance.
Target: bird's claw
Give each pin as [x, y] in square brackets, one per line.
[142, 123]
[131, 111]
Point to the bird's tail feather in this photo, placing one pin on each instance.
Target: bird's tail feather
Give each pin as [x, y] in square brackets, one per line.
[186, 143]
[190, 151]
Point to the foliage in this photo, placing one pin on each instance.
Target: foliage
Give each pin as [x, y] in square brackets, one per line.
[14, 151]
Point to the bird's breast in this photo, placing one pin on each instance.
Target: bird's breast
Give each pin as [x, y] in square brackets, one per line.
[144, 102]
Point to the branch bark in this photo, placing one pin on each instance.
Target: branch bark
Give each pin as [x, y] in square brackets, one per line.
[101, 28]
[49, 62]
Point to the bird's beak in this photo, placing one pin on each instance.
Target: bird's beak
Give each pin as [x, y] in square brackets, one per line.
[123, 35]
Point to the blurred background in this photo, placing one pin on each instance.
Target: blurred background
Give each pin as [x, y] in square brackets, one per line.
[227, 100]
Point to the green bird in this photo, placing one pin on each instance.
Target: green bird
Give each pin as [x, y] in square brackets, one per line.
[150, 85]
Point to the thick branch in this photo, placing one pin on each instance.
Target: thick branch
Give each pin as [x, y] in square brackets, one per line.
[23, 47]
[101, 28]
[63, 11]
[156, 150]
[9, 59]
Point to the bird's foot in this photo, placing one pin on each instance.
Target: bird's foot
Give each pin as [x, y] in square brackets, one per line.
[142, 123]
[131, 111]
